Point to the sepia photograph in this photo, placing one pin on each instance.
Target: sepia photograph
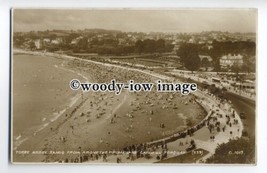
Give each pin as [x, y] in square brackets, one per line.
[133, 86]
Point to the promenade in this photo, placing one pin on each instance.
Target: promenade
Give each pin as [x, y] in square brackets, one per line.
[208, 80]
[221, 124]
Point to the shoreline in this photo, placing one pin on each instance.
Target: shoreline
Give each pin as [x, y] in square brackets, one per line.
[21, 138]
[146, 72]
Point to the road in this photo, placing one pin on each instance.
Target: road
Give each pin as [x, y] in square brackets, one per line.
[247, 106]
[240, 103]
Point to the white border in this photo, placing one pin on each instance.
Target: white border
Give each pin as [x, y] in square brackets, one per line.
[6, 5]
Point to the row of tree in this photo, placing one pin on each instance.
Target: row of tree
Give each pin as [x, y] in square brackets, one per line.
[245, 48]
[151, 46]
[240, 151]
[112, 46]
[189, 54]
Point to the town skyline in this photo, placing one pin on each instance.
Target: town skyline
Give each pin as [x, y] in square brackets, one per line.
[151, 32]
[136, 20]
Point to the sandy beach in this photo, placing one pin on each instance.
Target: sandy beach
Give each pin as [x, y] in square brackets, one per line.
[90, 121]
[40, 95]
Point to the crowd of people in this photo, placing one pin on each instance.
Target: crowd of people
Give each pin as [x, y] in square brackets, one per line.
[100, 73]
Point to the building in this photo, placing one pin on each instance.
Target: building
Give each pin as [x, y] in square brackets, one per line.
[57, 41]
[38, 43]
[76, 40]
[229, 60]
[205, 56]
[175, 48]
[46, 40]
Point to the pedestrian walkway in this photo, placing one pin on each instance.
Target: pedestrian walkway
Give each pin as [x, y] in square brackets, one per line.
[229, 123]
[225, 122]
[231, 89]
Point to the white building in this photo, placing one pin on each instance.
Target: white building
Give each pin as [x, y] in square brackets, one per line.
[38, 43]
[46, 40]
[76, 40]
[229, 60]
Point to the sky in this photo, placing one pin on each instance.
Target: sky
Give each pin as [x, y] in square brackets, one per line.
[136, 20]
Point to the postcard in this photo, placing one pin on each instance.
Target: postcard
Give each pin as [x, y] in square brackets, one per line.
[133, 86]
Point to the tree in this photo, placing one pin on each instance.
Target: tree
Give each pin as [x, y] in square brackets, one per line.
[149, 46]
[248, 66]
[32, 35]
[139, 46]
[236, 69]
[83, 43]
[192, 62]
[189, 57]
[235, 151]
[18, 40]
[32, 45]
[182, 52]
[52, 36]
[228, 47]
[160, 45]
[152, 46]
[205, 62]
